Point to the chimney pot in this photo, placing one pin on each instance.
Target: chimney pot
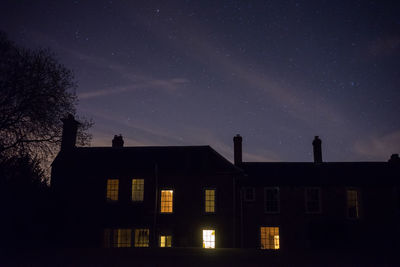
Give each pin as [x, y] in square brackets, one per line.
[118, 141]
[237, 149]
[317, 149]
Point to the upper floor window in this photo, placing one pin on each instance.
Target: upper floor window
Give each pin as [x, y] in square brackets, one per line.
[166, 201]
[137, 189]
[112, 189]
[209, 200]
[249, 194]
[271, 199]
[269, 238]
[313, 200]
[353, 203]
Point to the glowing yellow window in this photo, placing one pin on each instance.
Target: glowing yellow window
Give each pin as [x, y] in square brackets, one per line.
[142, 237]
[167, 201]
[122, 238]
[269, 237]
[208, 238]
[165, 241]
[112, 189]
[137, 189]
[209, 200]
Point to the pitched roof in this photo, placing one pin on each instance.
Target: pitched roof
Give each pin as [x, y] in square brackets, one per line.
[309, 173]
[170, 159]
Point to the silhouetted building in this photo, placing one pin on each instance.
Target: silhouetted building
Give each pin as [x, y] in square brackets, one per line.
[191, 196]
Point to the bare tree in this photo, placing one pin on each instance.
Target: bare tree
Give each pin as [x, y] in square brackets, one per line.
[35, 92]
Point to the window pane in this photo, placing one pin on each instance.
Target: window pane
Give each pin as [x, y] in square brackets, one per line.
[269, 237]
[208, 238]
[112, 189]
[209, 200]
[271, 199]
[313, 201]
[165, 241]
[352, 203]
[122, 238]
[142, 237]
[166, 201]
[137, 189]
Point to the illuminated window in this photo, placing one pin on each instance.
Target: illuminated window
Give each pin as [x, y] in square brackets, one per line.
[137, 189]
[249, 194]
[269, 237]
[353, 207]
[208, 238]
[122, 238]
[167, 201]
[142, 237]
[112, 189]
[271, 199]
[209, 200]
[165, 241]
[313, 200]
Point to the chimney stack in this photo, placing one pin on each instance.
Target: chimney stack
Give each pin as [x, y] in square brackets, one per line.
[394, 158]
[70, 128]
[237, 149]
[117, 141]
[317, 150]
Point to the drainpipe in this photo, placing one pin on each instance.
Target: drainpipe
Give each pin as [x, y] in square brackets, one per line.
[155, 206]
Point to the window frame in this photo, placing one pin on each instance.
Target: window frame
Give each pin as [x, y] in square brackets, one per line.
[137, 201]
[173, 200]
[215, 237]
[278, 200]
[166, 235]
[252, 188]
[204, 200]
[109, 200]
[358, 203]
[261, 239]
[140, 243]
[307, 211]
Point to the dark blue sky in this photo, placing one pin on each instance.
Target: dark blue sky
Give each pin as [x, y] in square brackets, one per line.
[199, 72]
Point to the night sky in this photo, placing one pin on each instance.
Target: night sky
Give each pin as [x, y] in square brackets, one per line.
[200, 72]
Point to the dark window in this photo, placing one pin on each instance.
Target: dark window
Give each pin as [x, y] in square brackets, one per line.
[271, 199]
[249, 194]
[313, 200]
[353, 203]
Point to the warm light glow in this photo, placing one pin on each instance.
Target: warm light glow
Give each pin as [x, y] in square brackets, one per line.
[112, 189]
[269, 238]
[142, 237]
[209, 200]
[122, 238]
[137, 189]
[208, 238]
[167, 201]
[276, 241]
[165, 241]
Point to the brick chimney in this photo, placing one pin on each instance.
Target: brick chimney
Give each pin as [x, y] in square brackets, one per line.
[237, 149]
[317, 150]
[118, 141]
[70, 128]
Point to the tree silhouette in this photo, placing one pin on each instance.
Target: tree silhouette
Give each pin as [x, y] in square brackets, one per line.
[35, 92]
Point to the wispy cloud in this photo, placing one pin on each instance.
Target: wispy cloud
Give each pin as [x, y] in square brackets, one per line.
[378, 147]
